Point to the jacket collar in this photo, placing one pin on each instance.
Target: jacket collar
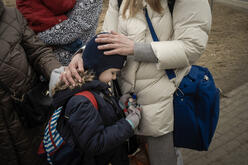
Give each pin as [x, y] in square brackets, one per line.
[61, 97]
[1, 7]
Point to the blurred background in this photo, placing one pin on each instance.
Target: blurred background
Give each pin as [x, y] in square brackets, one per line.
[226, 57]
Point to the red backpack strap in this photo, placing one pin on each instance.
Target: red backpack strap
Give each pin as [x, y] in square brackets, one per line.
[90, 96]
[41, 149]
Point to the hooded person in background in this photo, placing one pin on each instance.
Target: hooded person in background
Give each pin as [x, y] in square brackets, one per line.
[22, 57]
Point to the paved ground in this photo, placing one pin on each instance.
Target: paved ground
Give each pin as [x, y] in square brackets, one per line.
[240, 4]
[230, 143]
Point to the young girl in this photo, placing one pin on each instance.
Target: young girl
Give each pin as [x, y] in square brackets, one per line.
[91, 134]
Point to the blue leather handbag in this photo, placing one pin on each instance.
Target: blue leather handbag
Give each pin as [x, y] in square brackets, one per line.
[196, 110]
[196, 106]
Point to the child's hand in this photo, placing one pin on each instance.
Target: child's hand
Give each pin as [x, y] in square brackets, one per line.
[124, 98]
[126, 101]
[123, 102]
[133, 116]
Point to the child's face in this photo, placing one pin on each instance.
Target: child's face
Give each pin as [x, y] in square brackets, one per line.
[108, 75]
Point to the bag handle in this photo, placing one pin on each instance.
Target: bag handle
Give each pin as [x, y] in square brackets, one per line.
[89, 96]
[170, 72]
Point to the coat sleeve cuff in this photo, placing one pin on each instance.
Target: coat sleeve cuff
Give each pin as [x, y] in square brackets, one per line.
[80, 50]
[130, 122]
[170, 54]
[143, 52]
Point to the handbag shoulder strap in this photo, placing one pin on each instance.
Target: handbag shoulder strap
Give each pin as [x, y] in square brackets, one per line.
[170, 72]
[89, 96]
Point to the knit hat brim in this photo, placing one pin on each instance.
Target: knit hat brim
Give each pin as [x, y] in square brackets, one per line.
[95, 59]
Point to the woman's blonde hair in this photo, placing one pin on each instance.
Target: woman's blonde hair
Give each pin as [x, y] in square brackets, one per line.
[86, 76]
[135, 6]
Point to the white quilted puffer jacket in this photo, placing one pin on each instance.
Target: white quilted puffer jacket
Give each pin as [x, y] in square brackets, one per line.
[182, 41]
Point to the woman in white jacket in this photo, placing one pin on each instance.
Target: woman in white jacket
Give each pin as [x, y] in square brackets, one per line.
[183, 37]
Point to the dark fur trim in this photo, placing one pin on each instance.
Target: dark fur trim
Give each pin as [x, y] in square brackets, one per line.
[1, 7]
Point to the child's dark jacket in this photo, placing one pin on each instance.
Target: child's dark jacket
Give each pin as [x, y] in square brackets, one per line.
[99, 134]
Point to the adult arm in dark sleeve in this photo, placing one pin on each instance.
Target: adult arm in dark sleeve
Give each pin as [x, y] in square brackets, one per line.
[39, 55]
[88, 128]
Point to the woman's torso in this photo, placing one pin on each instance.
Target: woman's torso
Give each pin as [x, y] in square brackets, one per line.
[153, 88]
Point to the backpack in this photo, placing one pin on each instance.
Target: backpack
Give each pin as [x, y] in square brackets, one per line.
[53, 144]
[171, 4]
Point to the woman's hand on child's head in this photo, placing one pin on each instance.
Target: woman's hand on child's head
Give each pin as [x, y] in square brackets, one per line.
[114, 43]
[72, 70]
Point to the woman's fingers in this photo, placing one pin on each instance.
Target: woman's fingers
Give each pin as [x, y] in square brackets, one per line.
[106, 39]
[108, 46]
[77, 62]
[74, 72]
[113, 32]
[114, 43]
[63, 78]
[76, 66]
[67, 77]
[104, 35]
[113, 52]
[80, 65]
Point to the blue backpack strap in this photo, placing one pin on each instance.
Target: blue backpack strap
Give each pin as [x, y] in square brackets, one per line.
[170, 72]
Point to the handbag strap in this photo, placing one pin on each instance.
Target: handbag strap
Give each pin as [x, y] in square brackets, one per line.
[170, 72]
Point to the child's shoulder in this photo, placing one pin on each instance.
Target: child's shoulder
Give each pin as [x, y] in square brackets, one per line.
[85, 99]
